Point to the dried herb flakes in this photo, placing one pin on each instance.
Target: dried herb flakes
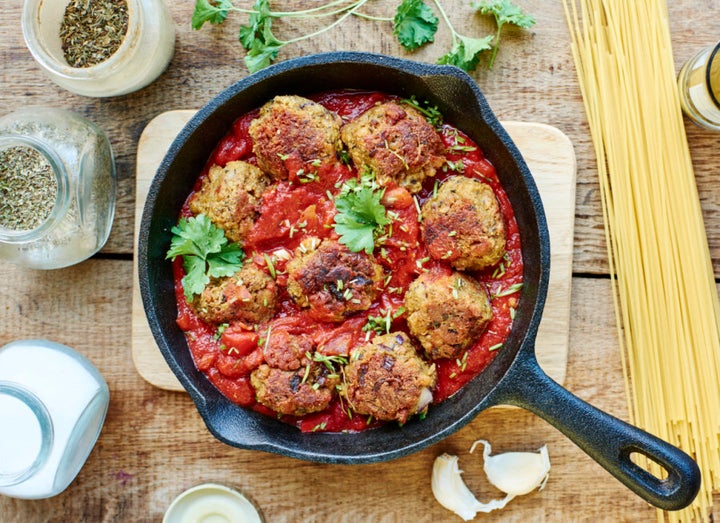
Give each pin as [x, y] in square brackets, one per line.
[92, 30]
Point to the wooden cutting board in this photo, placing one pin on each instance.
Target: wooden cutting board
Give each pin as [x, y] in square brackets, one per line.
[548, 153]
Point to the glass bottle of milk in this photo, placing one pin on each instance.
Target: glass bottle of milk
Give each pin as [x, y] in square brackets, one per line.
[53, 403]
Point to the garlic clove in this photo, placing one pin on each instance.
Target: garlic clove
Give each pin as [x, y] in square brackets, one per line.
[451, 492]
[515, 473]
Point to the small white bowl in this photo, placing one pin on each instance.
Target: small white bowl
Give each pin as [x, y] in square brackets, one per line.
[211, 503]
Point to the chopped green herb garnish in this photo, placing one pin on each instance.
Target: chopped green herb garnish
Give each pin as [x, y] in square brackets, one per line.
[383, 323]
[431, 112]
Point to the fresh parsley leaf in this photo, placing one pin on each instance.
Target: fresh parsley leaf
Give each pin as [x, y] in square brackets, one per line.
[465, 52]
[195, 278]
[505, 12]
[258, 22]
[414, 24]
[262, 53]
[207, 12]
[258, 39]
[360, 215]
[206, 253]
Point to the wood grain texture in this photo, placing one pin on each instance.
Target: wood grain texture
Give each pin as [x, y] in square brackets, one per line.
[551, 159]
[154, 445]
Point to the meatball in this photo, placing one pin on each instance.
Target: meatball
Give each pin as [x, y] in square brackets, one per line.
[249, 295]
[230, 197]
[294, 392]
[462, 224]
[331, 281]
[387, 379]
[287, 351]
[397, 143]
[293, 133]
[446, 312]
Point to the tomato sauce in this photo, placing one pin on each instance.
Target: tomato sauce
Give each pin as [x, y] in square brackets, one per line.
[293, 210]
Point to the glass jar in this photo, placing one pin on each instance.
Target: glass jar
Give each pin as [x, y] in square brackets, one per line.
[81, 159]
[144, 52]
[699, 86]
[53, 404]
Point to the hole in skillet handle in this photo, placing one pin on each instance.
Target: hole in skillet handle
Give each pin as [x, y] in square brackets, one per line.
[608, 440]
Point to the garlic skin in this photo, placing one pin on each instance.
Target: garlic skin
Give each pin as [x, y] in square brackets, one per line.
[515, 473]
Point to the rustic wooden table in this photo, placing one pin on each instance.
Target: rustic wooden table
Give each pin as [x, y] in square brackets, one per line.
[154, 445]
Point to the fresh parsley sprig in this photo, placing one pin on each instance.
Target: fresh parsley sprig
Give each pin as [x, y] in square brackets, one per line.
[206, 253]
[257, 37]
[505, 12]
[414, 25]
[360, 216]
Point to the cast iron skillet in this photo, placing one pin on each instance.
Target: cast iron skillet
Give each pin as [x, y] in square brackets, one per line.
[514, 377]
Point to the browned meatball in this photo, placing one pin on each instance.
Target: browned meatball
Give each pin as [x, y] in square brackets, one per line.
[446, 312]
[288, 351]
[294, 133]
[249, 295]
[396, 142]
[331, 281]
[387, 379]
[230, 197]
[462, 224]
[294, 392]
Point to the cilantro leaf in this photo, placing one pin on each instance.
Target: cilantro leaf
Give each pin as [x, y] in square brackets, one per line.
[207, 12]
[195, 278]
[465, 52]
[505, 12]
[261, 54]
[206, 253]
[414, 24]
[258, 21]
[258, 39]
[360, 215]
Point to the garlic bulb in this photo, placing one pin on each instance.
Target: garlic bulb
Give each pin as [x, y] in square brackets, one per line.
[515, 473]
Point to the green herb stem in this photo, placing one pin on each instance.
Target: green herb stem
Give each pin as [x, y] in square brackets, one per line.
[352, 10]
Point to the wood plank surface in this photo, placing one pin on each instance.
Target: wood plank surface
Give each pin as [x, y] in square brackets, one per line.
[551, 159]
[154, 444]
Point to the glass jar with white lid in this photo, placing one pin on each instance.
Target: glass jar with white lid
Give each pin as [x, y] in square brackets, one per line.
[143, 54]
[68, 219]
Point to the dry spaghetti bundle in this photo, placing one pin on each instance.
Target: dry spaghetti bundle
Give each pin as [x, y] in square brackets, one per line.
[666, 301]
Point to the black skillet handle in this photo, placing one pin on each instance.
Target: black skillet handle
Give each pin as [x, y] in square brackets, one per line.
[606, 439]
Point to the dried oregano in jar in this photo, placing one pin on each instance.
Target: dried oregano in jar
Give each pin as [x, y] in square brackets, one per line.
[57, 188]
[28, 188]
[100, 47]
[91, 31]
